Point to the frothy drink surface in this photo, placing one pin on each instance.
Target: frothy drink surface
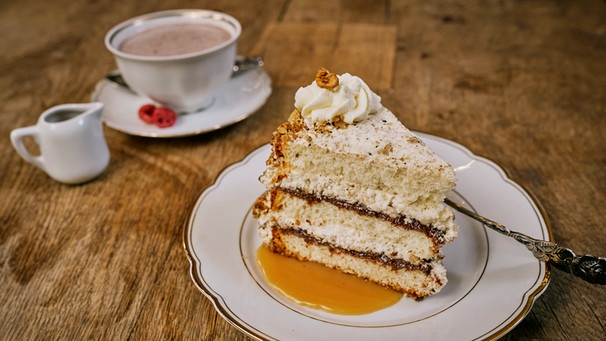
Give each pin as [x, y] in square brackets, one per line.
[170, 40]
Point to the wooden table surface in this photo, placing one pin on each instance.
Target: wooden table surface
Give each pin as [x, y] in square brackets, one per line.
[522, 83]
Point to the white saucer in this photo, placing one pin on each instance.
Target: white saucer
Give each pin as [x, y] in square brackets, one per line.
[237, 100]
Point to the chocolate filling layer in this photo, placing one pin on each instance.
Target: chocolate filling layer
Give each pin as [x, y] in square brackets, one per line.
[431, 232]
[394, 263]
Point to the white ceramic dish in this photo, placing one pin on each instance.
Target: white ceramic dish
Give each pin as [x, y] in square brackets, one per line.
[493, 280]
[237, 100]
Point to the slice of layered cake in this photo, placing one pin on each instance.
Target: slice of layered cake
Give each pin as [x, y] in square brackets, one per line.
[350, 187]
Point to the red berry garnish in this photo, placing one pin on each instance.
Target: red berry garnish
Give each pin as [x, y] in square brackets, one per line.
[164, 117]
[160, 116]
[145, 113]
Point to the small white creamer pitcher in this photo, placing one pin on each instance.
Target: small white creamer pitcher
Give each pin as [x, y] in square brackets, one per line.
[73, 149]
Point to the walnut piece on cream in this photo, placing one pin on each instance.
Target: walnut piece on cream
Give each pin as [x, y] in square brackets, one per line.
[326, 79]
[350, 100]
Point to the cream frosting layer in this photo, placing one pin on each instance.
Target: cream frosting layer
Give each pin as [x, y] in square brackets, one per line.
[351, 101]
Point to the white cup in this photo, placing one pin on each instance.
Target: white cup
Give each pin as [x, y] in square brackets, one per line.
[183, 82]
[73, 149]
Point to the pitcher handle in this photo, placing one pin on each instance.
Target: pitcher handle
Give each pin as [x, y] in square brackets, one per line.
[17, 137]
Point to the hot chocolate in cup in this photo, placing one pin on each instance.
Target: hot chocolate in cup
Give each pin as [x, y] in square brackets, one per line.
[177, 58]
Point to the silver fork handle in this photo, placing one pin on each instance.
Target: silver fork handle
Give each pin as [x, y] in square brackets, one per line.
[590, 268]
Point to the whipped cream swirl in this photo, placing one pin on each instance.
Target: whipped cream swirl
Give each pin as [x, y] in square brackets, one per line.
[351, 101]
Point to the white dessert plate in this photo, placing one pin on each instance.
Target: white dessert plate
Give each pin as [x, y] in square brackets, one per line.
[492, 280]
[237, 100]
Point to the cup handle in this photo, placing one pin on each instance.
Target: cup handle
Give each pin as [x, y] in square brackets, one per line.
[17, 137]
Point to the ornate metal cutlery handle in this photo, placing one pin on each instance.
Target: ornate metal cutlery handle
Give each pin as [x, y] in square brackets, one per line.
[591, 269]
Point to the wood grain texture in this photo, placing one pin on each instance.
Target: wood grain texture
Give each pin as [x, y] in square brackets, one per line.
[370, 49]
[521, 83]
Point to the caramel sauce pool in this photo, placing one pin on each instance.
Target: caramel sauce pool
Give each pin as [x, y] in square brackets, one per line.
[317, 286]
